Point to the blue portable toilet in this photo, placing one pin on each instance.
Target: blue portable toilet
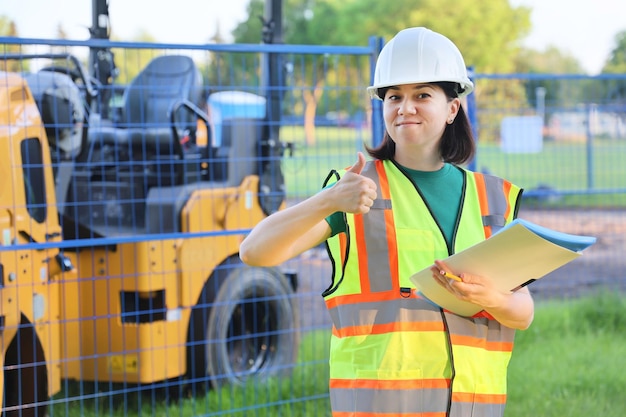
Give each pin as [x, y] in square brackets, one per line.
[228, 105]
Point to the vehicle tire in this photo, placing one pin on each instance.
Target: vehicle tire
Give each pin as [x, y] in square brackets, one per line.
[25, 376]
[251, 327]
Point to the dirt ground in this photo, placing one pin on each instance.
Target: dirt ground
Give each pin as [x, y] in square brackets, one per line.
[603, 265]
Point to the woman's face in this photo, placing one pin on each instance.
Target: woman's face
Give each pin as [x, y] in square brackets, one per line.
[417, 114]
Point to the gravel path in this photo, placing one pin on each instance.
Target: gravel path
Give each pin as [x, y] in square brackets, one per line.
[602, 265]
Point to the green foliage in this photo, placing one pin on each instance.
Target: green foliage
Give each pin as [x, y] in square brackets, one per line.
[8, 28]
[489, 45]
[616, 63]
[130, 62]
[250, 31]
[550, 61]
[357, 20]
[564, 364]
[316, 24]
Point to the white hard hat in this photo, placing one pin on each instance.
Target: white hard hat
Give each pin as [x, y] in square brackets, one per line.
[419, 55]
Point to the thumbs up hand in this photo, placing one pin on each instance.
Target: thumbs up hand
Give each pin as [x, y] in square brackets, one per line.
[354, 193]
[359, 165]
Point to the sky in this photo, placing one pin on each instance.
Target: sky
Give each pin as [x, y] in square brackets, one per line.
[585, 29]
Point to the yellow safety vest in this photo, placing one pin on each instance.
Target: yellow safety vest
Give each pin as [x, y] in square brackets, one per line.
[393, 352]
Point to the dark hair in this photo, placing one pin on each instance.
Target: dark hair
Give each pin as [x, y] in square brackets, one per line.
[457, 142]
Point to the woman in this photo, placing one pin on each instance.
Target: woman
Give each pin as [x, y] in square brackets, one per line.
[393, 352]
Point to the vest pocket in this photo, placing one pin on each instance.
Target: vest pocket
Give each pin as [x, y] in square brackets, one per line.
[417, 242]
[416, 249]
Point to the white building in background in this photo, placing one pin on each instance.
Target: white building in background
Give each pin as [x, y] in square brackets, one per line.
[572, 126]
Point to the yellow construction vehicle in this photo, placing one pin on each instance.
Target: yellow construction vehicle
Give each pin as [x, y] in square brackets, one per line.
[119, 258]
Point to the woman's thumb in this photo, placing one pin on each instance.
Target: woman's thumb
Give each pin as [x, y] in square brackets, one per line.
[360, 163]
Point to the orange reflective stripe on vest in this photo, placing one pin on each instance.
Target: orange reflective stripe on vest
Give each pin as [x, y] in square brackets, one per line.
[495, 197]
[394, 352]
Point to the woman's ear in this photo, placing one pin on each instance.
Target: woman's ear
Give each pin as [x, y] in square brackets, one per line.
[455, 105]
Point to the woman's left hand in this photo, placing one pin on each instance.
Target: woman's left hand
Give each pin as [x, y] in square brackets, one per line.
[512, 309]
[472, 288]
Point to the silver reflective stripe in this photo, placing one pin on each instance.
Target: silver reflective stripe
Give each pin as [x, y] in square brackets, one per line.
[406, 310]
[477, 409]
[383, 401]
[481, 328]
[497, 201]
[380, 204]
[376, 244]
[493, 220]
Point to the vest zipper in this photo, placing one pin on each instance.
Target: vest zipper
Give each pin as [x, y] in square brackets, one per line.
[452, 244]
[452, 369]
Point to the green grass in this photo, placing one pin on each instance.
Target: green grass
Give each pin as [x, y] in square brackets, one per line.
[301, 393]
[334, 148]
[560, 166]
[569, 363]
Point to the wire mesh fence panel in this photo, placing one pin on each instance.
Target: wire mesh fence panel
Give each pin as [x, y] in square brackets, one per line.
[122, 288]
[561, 138]
[126, 197]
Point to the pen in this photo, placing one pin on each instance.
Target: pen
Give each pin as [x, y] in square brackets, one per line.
[451, 276]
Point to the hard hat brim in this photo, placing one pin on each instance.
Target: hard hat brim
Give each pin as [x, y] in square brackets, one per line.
[467, 86]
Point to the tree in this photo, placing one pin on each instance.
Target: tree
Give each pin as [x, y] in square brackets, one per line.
[551, 60]
[130, 62]
[315, 24]
[8, 28]
[487, 32]
[299, 21]
[61, 34]
[548, 62]
[616, 64]
[250, 31]
[224, 70]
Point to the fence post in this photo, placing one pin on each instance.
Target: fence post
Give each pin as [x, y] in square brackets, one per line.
[473, 119]
[591, 114]
[378, 129]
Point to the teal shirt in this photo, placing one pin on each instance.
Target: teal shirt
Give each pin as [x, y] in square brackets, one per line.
[442, 191]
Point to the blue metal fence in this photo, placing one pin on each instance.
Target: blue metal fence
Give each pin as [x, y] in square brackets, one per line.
[566, 131]
[135, 296]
